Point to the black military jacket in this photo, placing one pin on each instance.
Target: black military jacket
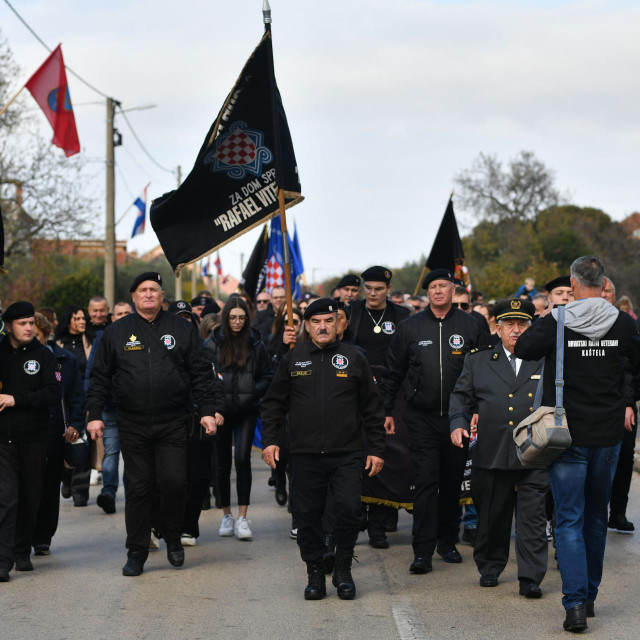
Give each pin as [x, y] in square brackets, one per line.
[488, 386]
[330, 396]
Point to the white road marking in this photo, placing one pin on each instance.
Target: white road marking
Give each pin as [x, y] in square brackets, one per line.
[407, 619]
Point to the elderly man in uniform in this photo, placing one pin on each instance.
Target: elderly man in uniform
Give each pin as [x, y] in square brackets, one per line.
[425, 358]
[29, 386]
[500, 388]
[348, 288]
[327, 389]
[150, 361]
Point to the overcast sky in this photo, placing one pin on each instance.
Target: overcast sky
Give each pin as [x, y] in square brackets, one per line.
[386, 102]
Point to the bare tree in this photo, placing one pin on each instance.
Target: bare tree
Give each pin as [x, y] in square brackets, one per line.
[518, 192]
[43, 193]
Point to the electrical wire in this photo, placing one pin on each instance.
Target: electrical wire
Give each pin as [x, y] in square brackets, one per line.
[135, 135]
[49, 49]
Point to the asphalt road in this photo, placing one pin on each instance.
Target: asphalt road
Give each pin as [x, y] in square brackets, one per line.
[244, 590]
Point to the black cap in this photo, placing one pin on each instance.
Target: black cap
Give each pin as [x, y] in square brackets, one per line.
[148, 275]
[438, 274]
[211, 307]
[200, 301]
[560, 281]
[377, 274]
[350, 280]
[179, 306]
[319, 306]
[18, 310]
[514, 308]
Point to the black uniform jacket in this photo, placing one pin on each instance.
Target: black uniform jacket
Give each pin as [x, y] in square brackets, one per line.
[330, 395]
[488, 386]
[595, 393]
[134, 364]
[29, 375]
[427, 354]
[358, 309]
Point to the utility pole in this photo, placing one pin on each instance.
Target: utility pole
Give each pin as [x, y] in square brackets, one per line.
[178, 295]
[110, 230]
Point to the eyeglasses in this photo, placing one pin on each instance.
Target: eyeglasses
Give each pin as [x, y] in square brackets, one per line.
[237, 318]
[461, 305]
[262, 302]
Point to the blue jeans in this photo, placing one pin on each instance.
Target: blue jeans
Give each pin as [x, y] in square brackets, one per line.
[111, 460]
[581, 480]
[470, 519]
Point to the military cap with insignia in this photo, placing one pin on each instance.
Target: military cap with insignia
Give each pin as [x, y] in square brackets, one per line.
[211, 307]
[514, 308]
[18, 311]
[350, 280]
[377, 274]
[438, 274]
[200, 301]
[143, 277]
[560, 281]
[179, 306]
[320, 306]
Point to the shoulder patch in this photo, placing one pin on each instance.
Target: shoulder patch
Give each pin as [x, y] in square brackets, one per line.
[483, 348]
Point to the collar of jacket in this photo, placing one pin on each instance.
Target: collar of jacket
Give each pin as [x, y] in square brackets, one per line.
[30, 346]
[57, 350]
[157, 319]
[333, 346]
[434, 317]
[218, 336]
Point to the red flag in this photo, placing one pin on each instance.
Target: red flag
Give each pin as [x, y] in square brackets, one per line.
[218, 264]
[48, 85]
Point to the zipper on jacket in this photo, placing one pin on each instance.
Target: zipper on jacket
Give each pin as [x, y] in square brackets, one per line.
[150, 386]
[322, 400]
[441, 399]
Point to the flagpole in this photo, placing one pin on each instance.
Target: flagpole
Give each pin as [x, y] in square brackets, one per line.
[266, 17]
[6, 106]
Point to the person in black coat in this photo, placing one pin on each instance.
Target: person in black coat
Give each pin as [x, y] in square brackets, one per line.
[29, 385]
[240, 357]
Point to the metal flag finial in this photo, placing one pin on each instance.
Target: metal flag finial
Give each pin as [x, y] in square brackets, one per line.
[266, 12]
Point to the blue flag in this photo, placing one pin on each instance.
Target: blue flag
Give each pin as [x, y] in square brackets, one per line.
[275, 260]
[140, 204]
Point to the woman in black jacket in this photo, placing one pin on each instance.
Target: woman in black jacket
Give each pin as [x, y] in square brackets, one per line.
[70, 334]
[240, 357]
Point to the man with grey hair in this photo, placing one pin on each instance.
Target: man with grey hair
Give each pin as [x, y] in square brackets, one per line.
[599, 344]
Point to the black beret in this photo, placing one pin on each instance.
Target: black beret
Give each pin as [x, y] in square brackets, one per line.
[346, 307]
[179, 306]
[321, 305]
[514, 308]
[200, 301]
[211, 307]
[377, 274]
[148, 275]
[350, 280]
[560, 281]
[438, 274]
[18, 310]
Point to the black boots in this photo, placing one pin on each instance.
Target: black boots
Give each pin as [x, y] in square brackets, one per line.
[576, 619]
[135, 564]
[175, 553]
[342, 579]
[316, 588]
[329, 557]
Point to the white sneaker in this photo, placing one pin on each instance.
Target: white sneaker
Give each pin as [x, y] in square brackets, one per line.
[226, 526]
[154, 541]
[95, 477]
[187, 540]
[293, 533]
[242, 530]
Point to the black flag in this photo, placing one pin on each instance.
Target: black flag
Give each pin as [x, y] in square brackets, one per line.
[446, 252]
[232, 188]
[255, 273]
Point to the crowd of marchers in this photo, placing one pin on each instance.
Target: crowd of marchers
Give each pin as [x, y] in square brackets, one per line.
[364, 402]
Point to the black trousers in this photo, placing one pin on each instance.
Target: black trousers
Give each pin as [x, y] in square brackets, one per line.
[438, 468]
[624, 473]
[198, 481]
[239, 431]
[495, 496]
[49, 509]
[153, 454]
[21, 467]
[380, 519]
[312, 478]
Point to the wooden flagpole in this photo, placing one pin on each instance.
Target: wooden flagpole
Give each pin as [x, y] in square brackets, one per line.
[6, 106]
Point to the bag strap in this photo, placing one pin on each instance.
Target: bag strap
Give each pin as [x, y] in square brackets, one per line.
[537, 401]
[559, 382]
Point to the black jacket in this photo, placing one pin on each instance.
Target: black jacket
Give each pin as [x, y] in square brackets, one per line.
[134, 365]
[426, 356]
[263, 321]
[244, 387]
[357, 309]
[74, 399]
[330, 397]
[595, 394]
[29, 375]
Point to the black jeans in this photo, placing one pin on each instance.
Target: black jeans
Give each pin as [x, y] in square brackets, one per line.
[49, 509]
[239, 431]
[198, 481]
[153, 454]
[21, 467]
[312, 478]
[438, 467]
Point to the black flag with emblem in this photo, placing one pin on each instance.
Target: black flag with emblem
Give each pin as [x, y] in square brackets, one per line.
[245, 158]
[254, 275]
[447, 247]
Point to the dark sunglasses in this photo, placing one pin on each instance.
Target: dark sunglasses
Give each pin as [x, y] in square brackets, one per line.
[461, 305]
[262, 302]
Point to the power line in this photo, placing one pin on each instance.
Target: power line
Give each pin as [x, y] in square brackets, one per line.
[49, 49]
[135, 135]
